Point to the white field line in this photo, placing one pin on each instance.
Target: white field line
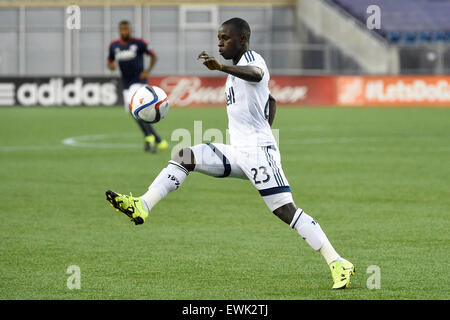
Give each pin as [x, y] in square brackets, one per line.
[90, 141]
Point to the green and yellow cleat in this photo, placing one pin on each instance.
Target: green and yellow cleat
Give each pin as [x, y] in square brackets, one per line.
[151, 145]
[129, 205]
[341, 273]
[163, 145]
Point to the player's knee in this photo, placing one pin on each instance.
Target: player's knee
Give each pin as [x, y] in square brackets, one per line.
[286, 212]
[186, 158]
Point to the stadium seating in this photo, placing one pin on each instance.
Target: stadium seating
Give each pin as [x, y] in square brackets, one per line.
[406, 21]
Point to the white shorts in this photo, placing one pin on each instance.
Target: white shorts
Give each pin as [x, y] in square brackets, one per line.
[260, 164]
[128, 94]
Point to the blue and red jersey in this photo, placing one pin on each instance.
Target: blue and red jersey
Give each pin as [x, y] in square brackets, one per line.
[129, 56]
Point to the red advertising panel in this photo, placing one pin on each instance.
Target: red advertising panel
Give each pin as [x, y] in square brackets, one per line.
[207, 91]
[393, 90]
[210, 91]
[303, 90]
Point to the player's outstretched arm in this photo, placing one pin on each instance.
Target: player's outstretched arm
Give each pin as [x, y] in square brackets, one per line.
[272, 109]
[247, 73]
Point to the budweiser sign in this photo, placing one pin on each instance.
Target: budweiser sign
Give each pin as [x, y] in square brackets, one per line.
[199, 91]
[185, 91]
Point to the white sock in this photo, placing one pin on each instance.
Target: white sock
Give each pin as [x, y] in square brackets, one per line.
[329, 254]
[312, 233]
[169, 179]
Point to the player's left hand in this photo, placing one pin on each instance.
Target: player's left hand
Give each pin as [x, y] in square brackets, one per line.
[210, 62]
[144, 75]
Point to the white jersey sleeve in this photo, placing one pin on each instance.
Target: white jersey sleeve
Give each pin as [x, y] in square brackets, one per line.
[252, 58]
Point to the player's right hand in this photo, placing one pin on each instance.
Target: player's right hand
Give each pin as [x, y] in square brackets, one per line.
[210, 62]
[203, 55]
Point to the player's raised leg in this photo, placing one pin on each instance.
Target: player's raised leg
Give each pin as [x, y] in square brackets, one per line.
[169, 179]
[211, 159]
[215, 160]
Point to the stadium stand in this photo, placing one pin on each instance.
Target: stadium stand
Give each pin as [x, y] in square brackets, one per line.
[422, 21]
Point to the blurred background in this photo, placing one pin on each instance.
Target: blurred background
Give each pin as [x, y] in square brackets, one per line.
[296, 37]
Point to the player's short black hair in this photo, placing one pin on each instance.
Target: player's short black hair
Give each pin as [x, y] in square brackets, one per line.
[124, 22]
[241, 26]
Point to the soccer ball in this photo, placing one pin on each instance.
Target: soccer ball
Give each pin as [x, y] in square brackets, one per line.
[149, 103]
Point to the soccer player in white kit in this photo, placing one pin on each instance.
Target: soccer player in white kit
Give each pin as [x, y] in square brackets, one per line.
[253, 152]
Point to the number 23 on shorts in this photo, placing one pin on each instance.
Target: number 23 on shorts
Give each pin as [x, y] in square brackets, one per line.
[262, 171]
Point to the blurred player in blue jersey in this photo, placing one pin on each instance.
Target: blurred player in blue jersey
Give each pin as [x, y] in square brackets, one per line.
[128, 52]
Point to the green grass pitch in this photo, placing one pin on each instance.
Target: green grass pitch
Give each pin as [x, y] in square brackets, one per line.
[377, 180]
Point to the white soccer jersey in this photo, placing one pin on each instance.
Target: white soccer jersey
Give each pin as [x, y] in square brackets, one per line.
[247, 106]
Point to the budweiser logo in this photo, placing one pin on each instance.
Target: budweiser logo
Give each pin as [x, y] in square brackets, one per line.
[184, 91]
[288, 94]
